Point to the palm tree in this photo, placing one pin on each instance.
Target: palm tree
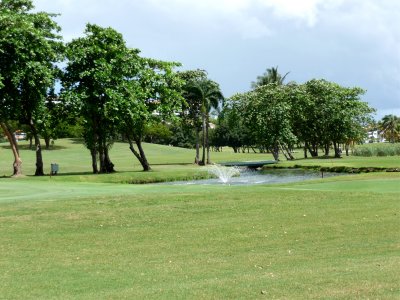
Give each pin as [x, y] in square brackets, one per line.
[270, 76]
[390, 126]
[208, 95]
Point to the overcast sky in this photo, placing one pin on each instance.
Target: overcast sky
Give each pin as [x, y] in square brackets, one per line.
[352, 42]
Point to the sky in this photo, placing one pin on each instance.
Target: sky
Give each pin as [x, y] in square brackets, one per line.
[350, 42]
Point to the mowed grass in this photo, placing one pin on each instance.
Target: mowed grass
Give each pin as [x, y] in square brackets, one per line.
[113, 241]
[75, 236]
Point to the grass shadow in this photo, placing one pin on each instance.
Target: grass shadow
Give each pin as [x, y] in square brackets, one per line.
[27, 147]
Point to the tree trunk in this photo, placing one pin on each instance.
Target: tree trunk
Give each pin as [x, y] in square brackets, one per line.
[197, 158]
[39, 159]
[207, 144]
[17, 165]
[139, 155]
[313, 149]
[107, 160]
[288, 152]
[327, 146]
[47, 142]
[275, 152]
[102, 158]
[93, 153]
[203, 159]
[283, 151]
[338, 152]
[305, 150]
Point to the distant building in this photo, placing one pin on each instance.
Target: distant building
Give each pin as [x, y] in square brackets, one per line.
[374, 136]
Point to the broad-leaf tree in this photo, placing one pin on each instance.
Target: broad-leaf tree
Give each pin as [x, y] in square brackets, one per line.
[29, 48]
[266, 112]
[116, 92]
[335, 115]
[94, 81]
[152, 92]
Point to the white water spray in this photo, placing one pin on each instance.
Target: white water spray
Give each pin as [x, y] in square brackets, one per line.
[223, 173]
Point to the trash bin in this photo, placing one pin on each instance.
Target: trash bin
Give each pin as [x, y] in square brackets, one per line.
[54, 169]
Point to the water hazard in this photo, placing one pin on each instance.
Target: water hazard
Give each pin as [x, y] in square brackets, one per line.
[244, 176]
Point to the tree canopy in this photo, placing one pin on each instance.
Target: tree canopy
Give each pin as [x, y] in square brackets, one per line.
[319, 114]
[116, 91]
[30, 47]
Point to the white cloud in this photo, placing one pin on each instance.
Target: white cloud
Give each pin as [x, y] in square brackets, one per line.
[304, 10]
[250, 18]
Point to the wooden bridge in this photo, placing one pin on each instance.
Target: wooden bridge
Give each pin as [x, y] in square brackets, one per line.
[248, 164]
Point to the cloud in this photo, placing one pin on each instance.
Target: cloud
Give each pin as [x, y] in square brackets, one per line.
[352, 42]
[249, 18]
[304, 10]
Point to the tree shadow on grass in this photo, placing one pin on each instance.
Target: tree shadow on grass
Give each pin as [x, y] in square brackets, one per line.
[77, 141]
[26, 147]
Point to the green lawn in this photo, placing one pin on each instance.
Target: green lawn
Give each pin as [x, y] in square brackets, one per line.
[78, 237]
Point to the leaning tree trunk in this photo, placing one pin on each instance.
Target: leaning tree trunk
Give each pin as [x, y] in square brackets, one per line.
[313, 149]
[287, 152]
[17, 165]
[275, 152]
[140, 155]
[39, 159]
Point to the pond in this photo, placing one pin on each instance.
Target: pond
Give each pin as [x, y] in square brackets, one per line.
[244, 176]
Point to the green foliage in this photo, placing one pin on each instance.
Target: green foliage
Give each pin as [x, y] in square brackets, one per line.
[334, 114]
[390, 128]
[266, 113]
[203, 95]
[270, 76]
[157, 133]
[94, 82]
[317, 114]
[182, 135]
[231, 130]
[30, 48]
[116, 91]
